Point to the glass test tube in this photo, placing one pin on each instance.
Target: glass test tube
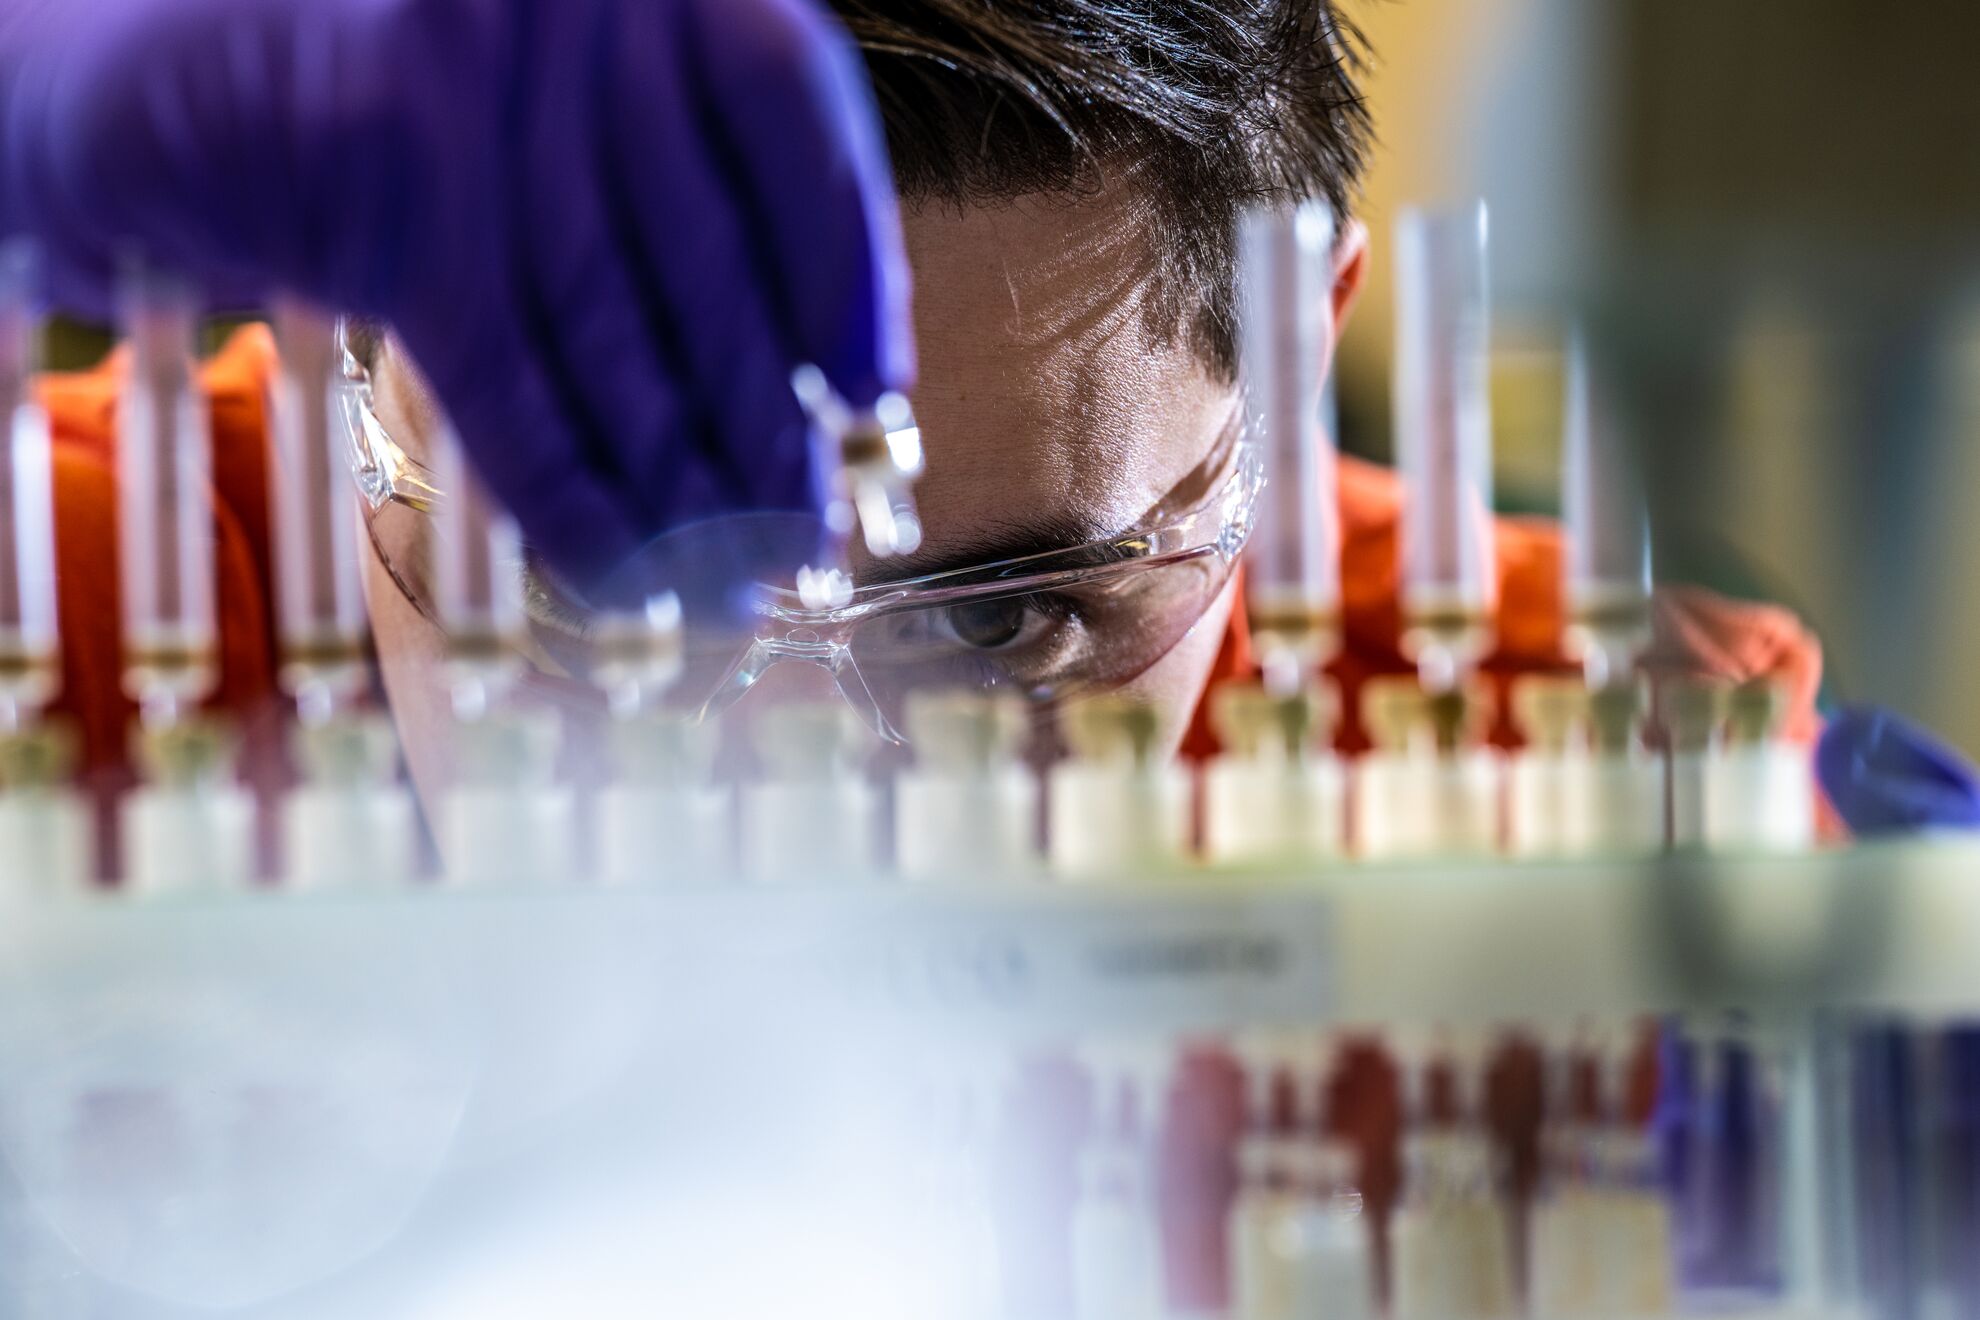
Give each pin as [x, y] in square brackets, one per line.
[478, 564]
[164, 506]
[1443, 425]
[29, 638]
[879, 453]
[1608, 533]
[320, 597]
[1293, 581]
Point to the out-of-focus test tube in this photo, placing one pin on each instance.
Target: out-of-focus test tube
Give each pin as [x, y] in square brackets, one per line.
[30, 640]
[1255, 1229]
[1584, 785]
[1299, 1242]
[1616, 806]
[1116, 1226]
[1728, 1131]
[1278, 793]
[1292, 569]
[1692, 711]
[879, 452]
[968, 807]
[1119, 806]
[504, 819]
[1552, 714]
[44, 826]
[811, 816]
[188, 828]
[350, 823]
[950, 1190]
[319, 595]
[639, 654]
[1633, 1211]
[1430, 788]
[1608, 533]
[1116, 1238]
[1760, 789]
[1451, 1241]
[663, 820]
[1563, 1251]
[479, 567]
[165, 506]
[1443, 437]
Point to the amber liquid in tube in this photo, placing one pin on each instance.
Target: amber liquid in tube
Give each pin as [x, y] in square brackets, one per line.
[165, 508]
[1293, 583]
[1443, 426]
[29, 641]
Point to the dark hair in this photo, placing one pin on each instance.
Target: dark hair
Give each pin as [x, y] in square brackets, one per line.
[1204, 106]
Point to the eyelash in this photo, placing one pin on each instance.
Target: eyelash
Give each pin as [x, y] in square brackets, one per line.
[546, 605]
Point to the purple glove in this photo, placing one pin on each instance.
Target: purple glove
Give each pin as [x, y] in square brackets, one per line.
[1886, 777]
[606, 229]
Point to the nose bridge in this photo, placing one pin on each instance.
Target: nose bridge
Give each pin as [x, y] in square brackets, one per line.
[799, 664]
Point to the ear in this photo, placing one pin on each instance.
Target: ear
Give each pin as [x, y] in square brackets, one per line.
[1350, 273]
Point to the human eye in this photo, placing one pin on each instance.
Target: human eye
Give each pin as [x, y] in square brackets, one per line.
[1003, 626]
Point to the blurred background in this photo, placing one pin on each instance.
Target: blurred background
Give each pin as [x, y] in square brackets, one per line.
[1767, 215]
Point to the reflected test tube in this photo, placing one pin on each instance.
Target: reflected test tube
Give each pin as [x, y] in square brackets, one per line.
[479, 572]
[639, 654]
[1293, 580]
[165, 516]
[1443, 424]
[319, 596]
[1607, 565]
[30, 641]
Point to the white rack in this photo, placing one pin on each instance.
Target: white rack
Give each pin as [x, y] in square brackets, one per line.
[427, 1030]
[1894, 928]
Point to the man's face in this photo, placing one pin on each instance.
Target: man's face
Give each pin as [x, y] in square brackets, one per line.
[1050, 417]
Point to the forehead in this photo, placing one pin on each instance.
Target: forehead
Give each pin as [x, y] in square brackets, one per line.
[1044, 394]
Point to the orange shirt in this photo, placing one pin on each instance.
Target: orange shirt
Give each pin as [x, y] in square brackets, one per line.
[1696, 630]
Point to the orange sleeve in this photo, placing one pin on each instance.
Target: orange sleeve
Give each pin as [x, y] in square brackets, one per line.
[1697, 631]
[83, 410]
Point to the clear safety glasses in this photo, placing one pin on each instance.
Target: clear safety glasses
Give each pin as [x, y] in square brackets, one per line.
[1045, 627]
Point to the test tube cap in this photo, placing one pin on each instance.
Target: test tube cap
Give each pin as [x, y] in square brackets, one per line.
[808, 739]
[186, 753]
[965, 731]
[1615, 713]
[1693, 709]
[510, 748]
[1549, 708]
[1113, 727]
[1396, 709]
[640, 652]
[1393, 709]
[41, 755]
[1252, 720]
[1757, 710]
[664, 749]
[351, 750]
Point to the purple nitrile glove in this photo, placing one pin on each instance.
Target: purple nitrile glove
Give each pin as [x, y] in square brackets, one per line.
[1885, 776]
[607, 230]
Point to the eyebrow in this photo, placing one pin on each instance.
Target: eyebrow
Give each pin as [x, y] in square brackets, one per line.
[1045, 535]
